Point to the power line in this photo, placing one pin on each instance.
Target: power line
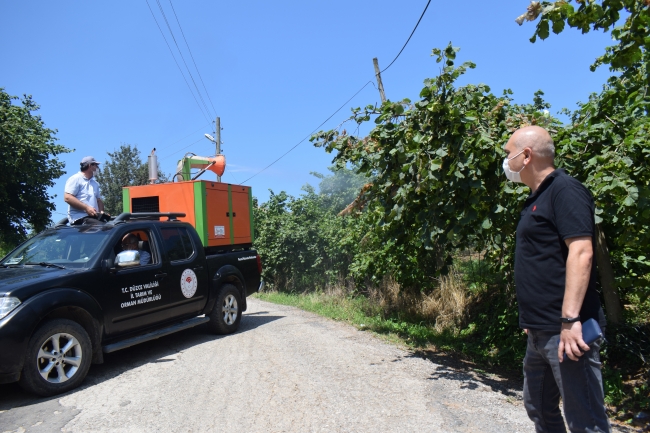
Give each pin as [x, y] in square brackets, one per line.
[182, 57]
[177, 141]
[174, 57]
[233, 176]
[182, 148]
[364, 86]
[407, 41]
[310, 134]
[190, 51]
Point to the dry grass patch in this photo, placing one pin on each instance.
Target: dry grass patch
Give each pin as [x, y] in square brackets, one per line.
[445, 308]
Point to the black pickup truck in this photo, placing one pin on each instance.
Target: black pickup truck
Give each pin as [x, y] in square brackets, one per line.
[72, 293]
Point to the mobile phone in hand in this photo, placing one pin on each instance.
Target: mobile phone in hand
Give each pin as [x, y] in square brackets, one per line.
[590, 332]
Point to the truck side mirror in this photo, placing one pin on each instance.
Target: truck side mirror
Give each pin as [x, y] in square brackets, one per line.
[127, 259]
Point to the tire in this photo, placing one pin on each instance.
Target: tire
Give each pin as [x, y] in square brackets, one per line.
[58, 357]
[226, 313]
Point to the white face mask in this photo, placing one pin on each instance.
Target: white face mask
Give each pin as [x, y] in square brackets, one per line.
[512, 176]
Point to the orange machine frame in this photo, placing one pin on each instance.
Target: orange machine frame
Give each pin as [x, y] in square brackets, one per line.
[221, 213]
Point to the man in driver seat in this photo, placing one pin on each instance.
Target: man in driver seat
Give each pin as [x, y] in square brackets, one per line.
[130, 242]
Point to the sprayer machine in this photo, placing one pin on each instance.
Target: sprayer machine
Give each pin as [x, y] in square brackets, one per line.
[221, 213]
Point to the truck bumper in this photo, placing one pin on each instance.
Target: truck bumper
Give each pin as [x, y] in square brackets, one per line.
[15, 330]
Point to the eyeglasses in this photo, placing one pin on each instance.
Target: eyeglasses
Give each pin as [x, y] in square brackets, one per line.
[129, 244]
[94, 164]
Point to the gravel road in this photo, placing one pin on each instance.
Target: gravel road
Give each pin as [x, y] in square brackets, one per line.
[286, 370]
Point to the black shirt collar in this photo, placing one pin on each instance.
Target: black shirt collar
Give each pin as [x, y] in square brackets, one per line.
[547, 181]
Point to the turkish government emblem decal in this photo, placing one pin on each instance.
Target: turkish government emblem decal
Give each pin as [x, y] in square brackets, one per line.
[188, 283]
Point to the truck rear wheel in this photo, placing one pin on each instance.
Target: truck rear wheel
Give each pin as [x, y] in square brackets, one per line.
[58, 358]
[226, 314]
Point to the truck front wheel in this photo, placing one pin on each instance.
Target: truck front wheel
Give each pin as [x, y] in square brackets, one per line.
[226, 314]
[58, 358]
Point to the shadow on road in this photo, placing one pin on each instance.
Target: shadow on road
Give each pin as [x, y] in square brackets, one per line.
[259, 312]
[12, 397]
[451, 368]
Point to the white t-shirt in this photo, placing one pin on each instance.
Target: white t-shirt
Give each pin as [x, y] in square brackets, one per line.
[85, 190]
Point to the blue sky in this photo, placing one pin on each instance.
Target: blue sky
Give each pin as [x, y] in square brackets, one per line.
[274, 71]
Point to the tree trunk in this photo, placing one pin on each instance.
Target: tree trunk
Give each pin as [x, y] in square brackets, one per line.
[613, 306]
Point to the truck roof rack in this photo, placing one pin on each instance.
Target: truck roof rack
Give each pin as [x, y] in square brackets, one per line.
[126, 216]
[62, 222]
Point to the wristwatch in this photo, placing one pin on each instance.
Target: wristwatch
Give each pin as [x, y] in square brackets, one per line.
[569, 319]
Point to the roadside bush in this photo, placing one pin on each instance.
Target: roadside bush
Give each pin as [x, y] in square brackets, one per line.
[304, 244]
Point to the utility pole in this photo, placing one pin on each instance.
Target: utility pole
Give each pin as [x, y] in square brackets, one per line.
[379, 83]
[217, 137]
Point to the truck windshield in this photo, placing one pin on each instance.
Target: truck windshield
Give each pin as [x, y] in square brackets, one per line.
[69, 247]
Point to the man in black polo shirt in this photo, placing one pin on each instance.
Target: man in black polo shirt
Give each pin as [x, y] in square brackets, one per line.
[555, 277]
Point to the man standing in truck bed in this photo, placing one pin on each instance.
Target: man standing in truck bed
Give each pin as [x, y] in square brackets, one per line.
[82, 194]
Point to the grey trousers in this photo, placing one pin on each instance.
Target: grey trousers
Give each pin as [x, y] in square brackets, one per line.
[579, 383]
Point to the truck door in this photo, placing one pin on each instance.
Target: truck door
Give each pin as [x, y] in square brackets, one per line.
[187, 279]
[136, 297]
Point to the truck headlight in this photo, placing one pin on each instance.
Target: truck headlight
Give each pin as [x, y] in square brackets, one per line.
[7, 305]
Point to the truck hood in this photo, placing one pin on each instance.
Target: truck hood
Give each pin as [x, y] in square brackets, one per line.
[26, 281]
